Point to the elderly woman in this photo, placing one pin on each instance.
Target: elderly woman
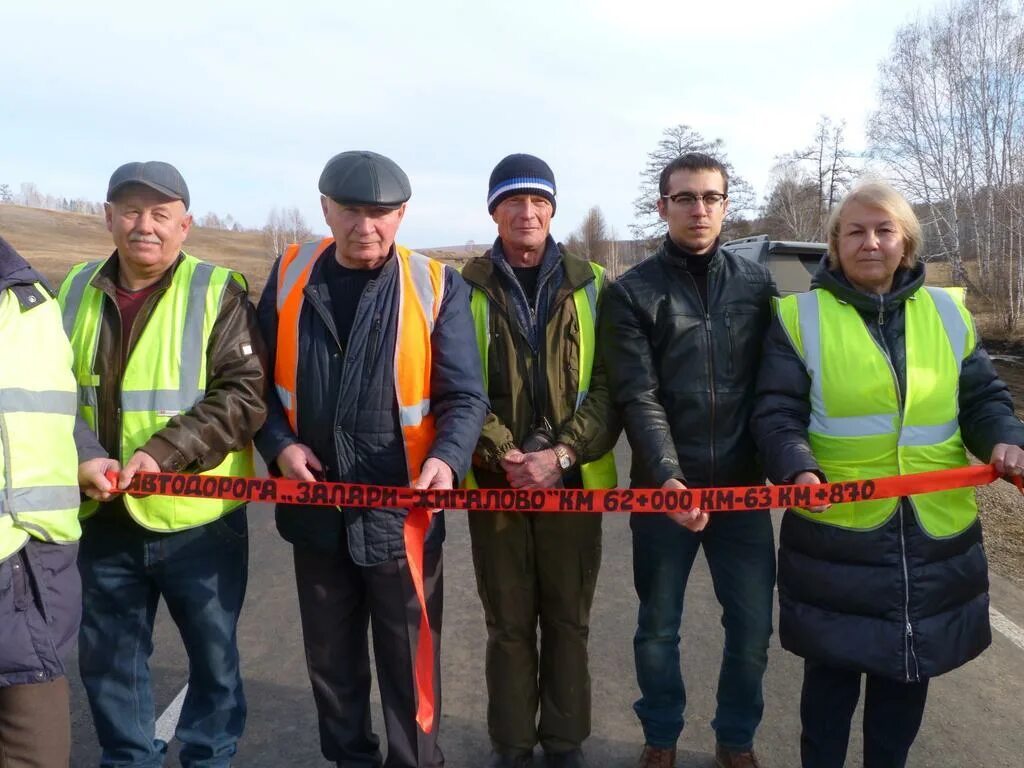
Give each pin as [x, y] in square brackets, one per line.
[871, 374]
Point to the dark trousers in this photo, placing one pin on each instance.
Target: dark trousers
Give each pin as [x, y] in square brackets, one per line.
[740, 551]
[534, 568]
[338, 601]
[35, 725]
[201, 573]
[892, 717]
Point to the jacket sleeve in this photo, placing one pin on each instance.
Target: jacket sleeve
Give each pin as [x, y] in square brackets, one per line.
[594, 428]
[233, 407]
[986, 408]
[457, 398]
[633, 384]
[495, 441]
[276, 433]
[86, 443]
[782, 409]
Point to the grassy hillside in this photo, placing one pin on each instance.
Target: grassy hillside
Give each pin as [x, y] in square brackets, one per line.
[54, 241]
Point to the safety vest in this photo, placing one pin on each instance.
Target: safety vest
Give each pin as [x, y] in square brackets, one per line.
[599, 473]
[858, 429]
[421, 290]
[164, 376]
[38, 460]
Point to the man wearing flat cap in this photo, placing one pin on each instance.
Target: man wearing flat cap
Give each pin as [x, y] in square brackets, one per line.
[550, 424]
[167, 358]
[376, 381]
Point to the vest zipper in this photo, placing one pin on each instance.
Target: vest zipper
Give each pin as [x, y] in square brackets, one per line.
[909, 656]
[8, 478]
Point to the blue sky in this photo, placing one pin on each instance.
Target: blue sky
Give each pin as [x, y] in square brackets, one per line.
[250, 100]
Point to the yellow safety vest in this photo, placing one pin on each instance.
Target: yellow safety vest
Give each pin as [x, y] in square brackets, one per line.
[38, 461]
[165, 375]
[858, 429]
[599, 473]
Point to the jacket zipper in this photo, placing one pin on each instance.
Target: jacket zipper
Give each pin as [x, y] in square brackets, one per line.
[711, 375]
[732, 350]
[374, 335]
[909, 656]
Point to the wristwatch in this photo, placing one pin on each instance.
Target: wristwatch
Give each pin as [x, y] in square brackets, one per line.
[562, 454]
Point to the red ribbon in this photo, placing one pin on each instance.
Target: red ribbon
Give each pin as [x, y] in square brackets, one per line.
[422, 504]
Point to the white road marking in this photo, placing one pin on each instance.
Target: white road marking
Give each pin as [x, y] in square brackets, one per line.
[1014, 633]
[168, 721]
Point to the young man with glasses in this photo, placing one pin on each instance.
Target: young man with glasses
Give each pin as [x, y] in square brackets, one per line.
[682, 338]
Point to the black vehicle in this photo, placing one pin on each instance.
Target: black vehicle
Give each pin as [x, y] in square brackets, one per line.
[791, 263]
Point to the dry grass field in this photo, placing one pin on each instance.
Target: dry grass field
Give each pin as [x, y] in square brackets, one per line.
[54, 241]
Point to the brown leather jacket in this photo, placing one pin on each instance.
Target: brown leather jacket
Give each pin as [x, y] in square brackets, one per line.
[234, 406]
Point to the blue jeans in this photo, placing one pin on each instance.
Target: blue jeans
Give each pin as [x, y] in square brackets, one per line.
[740, 549]
[201, 574]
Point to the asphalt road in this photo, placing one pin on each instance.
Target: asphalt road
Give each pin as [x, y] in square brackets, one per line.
[974, 715]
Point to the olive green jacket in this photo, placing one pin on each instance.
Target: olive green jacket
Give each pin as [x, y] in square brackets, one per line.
[592, 430]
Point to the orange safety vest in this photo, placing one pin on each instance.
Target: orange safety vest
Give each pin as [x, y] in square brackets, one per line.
[421, 289]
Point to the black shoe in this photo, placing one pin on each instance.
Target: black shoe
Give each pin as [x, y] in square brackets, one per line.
[516, 759]
[571, 759]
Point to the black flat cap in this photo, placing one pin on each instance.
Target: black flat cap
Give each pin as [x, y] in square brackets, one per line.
[365, 178]
[163, 177]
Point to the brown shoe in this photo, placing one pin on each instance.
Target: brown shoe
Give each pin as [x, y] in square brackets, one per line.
[726, 758]
[657, 757]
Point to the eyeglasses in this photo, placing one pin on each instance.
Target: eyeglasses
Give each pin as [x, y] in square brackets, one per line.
[711, 200]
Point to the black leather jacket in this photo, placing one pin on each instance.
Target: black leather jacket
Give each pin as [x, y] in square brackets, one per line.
[682, 377]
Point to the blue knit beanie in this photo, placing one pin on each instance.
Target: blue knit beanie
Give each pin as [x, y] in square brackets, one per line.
[520, 175]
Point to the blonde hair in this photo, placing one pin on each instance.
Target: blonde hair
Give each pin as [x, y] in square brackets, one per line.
[878, 194]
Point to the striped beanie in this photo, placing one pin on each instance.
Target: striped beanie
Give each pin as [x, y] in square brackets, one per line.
[520, 175]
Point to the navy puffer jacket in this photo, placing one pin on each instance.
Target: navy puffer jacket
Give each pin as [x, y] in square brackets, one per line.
[892, 601]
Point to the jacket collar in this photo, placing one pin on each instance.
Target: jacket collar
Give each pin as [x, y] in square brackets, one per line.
[481, 272]
[675, 256]
[906, 282]
[105, 278]
[19, 277]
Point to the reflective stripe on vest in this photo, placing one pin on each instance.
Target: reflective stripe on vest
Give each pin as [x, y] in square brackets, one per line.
[38, 460]
[601, 472]
[858, 428]
[292, 278]
[165, 376]
[421, 291]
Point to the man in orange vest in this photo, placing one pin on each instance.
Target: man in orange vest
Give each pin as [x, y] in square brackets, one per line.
[377, 380]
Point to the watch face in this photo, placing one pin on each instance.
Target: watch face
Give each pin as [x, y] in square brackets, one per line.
[563, 461]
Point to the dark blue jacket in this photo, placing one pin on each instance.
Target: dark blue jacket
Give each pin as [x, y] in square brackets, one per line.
[348, 408]
[40, 591]
[892, 601]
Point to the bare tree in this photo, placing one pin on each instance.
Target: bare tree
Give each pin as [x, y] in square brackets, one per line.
[826, 163]
[30, 195]
[793, 209]
[676, 142]
[284, 226]
[950, 129]
[212, 221]
[6, 196]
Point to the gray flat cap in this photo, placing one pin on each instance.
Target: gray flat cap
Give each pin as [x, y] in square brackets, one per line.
[365, 178]
[163, 177]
